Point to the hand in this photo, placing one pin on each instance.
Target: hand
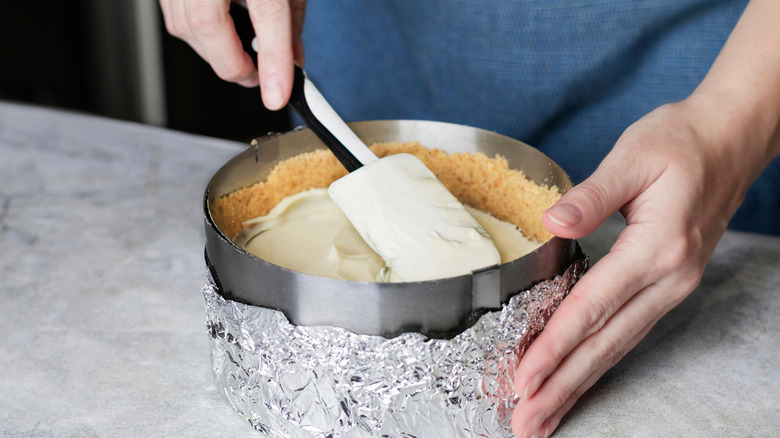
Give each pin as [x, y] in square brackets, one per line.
[206, 25]
[677, 177]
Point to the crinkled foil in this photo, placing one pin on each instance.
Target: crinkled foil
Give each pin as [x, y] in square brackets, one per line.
[294, 381]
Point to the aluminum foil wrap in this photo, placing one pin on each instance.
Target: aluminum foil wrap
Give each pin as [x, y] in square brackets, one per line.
[295, 381]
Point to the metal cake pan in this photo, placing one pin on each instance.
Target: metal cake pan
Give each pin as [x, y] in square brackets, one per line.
[438, 308]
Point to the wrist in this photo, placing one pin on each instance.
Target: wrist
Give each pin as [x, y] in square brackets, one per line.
[741, 90]
[741, 119]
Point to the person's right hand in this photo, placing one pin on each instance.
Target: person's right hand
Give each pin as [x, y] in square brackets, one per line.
[206, 25]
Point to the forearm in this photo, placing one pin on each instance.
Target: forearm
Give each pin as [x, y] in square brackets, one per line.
[741, 92]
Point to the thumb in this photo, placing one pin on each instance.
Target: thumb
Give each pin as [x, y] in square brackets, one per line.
[586, 206]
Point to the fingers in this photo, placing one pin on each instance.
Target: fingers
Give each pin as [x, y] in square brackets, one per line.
[272, 21]
[583, 208]
[206, 25]
[542, 425]
[540, 414]
[593, 300]
[608, 311]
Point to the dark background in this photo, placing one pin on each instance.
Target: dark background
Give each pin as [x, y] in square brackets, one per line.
[85, 55]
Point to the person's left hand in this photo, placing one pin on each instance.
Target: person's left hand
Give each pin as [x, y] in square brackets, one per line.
[677, 177]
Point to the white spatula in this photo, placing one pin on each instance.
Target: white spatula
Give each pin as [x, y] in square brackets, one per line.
[396, 203]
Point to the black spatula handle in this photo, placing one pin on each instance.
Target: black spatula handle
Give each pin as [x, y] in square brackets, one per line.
[299, 102]
[303, 106]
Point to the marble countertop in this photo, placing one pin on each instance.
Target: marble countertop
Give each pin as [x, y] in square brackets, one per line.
[102, 319]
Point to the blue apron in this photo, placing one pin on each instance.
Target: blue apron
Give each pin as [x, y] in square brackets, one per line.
[566, 76]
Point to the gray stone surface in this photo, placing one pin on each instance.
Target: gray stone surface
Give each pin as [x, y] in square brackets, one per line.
[102, 322]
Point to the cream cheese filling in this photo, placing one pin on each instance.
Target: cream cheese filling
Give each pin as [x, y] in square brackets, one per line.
[309, 233]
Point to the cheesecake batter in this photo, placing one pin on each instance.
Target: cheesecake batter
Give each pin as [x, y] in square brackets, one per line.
[309, 233]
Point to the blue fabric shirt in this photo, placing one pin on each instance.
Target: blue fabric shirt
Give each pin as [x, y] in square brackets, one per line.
[566, 76]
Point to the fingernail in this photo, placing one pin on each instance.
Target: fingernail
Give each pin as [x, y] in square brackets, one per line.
[533, 385]
[534, 425]
[249, 83]
[565, 215]
[272, 93]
